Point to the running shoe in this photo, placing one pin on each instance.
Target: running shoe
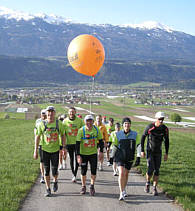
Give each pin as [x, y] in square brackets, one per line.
[42, 180]
[115, 174]
[125, 193]
[155, 192]
[147, 187]
[92, 190]
[61, 167]
[74, 180]
[121, 198]
[55, 186]
[83, 190]
[100, 167]
[48, 192]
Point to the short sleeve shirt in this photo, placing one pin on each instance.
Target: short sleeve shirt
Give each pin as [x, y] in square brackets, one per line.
[71, 129]
[50, 134]
[88, 140]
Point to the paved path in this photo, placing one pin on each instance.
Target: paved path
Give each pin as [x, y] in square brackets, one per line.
[106, 197]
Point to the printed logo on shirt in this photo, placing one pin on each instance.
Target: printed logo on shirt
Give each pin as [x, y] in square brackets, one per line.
[51, 135]
[72, 132]
[89, 142]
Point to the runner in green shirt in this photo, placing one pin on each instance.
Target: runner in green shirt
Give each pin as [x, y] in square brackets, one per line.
[38, 121]
[110, 128]
[89, 138]
[111, 140]
[72, 125]
[50, 130]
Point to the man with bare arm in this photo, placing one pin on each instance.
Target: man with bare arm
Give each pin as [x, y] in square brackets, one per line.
[50, 129]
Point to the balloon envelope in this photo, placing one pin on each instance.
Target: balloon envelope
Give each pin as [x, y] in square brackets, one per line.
[86, 54]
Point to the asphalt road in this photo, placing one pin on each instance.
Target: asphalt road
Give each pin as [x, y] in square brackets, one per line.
[106, 197]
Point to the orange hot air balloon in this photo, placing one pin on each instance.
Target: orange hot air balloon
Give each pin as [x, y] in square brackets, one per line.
[86, 54]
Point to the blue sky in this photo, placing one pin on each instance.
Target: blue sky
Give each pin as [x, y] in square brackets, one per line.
[177, 14]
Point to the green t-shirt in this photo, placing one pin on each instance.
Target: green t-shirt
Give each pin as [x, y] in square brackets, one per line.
[89, 140]
[71, 129]
[50, 142]
[38, 121]
[110, 129]
[112, 137]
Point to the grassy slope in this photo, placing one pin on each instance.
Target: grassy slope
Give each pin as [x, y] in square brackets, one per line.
[18, 170]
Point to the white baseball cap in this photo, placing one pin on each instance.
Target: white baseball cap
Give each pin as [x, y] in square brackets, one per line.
[159, 115]
[88, 117]
[43, 111]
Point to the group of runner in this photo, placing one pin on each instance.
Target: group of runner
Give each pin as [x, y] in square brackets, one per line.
[85, 142]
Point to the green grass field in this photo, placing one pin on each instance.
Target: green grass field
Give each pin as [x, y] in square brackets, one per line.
[18, 170]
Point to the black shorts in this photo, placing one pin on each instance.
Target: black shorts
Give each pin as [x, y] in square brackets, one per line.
[126, 165]
[93, 164]
[153, 163]
[40, 154]
[53, 159]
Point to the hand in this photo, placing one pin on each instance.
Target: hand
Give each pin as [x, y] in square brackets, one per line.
[79, 160]
[165, 157]
[100, 156]
[35, 155]
[143, 154]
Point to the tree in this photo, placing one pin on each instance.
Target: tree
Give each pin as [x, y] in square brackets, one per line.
[175, 117]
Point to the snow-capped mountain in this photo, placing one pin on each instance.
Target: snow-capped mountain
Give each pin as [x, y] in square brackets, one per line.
[149, 25]
[25, 34]
[12, 14]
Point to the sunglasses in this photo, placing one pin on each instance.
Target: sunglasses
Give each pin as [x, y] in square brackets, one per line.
[161, 119]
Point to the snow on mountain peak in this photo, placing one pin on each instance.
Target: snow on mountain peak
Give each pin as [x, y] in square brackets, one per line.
[149, 25]
[53, 19]
[12, 14]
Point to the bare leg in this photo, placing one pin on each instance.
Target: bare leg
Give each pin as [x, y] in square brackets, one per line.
[93, 177]
[108, 154]
[148, 178]
[83, 180]
[121, 179]
[60, 157]
[42, 169]
[114, 167]
[155, 180]
[126, 174]
[47, 181]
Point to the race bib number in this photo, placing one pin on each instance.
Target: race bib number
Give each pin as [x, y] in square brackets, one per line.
[51, 136]
[73, 132]
[89, 143]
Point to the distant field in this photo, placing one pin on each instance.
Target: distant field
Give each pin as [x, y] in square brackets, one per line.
[12, 115]
[18, 170]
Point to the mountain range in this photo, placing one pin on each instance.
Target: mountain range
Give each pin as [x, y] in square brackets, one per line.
[22, 34]
[34, 48]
